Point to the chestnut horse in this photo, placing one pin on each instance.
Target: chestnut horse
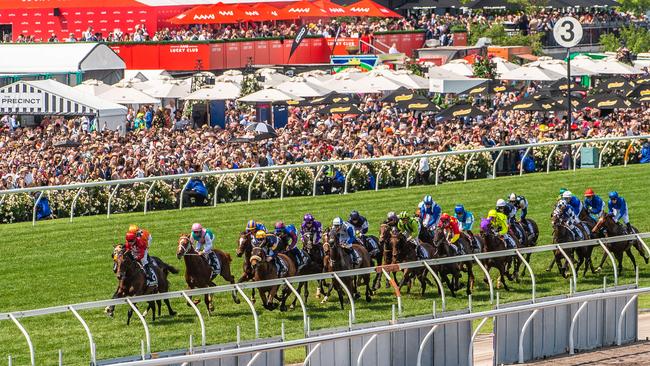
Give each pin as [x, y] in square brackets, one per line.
[494, 243]
[403, 251]
[613, 228]
[265, 269]
[198, 271]
[463, 243]
[244, 248]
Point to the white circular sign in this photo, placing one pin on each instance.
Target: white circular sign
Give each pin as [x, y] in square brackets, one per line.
[567, 32]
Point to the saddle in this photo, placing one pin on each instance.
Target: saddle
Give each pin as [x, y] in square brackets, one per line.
[281, 266]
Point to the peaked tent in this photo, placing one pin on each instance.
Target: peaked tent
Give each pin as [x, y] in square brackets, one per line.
[50, 97]
[369, 8]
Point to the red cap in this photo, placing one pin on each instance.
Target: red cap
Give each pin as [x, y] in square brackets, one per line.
[130, 236]
[589, 192]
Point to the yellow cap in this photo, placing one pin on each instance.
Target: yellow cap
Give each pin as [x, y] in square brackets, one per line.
[261, 234]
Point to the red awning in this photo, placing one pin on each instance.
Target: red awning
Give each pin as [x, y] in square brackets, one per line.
[272, 13]
[305, 9]
[45, 4]
[218, 13]
[369, 8]
[332, 8]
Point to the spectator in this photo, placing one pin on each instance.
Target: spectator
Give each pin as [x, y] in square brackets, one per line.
[195, 189]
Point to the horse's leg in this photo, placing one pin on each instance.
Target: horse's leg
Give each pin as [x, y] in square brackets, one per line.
[128, 316]
[631, 256]
[523, 271]
[328, 293]
[339, 291]
[152, 306]
[550, 265]
[169, 308]
[377, 281]
[369, 287]
[293, 303]
[639, 247]
[470, 279]
[283, 300]
[502, 272]
[209, 304]
[602, 262]
[227, 275]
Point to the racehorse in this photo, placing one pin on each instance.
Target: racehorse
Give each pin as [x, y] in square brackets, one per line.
[404, 251]
[384, 242]
[612, 228]
[441, 242]
[244, 248]
[198, 272]
[337, 259]
[266, 270]
[315, 265]
[532, 235]
[562, 234]
[132, 281]
[494, 243]
[376, 260]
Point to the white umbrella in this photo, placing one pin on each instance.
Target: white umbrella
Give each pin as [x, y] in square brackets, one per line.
[531, 73]
[611, 66]
[503, 65]
[361, 83]
[303, 88]
[260, 127]
[128, 95]
[272, 78]
[460, 67]
[93, 87]
[269, 96]
[168, 89]
[560, 66]
[234, 76]
[218, 91]
[406, 78]
[585, 62]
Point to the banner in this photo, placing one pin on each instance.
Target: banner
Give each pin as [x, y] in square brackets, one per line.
[22, 100]
[299, 37]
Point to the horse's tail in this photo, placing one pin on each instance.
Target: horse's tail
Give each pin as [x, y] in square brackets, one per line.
[166, 268]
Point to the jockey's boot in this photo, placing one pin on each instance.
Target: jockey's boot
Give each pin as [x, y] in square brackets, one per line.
[300, 260]
[454, 249]
[213, 260]
[578, 233]
[280, 267]
[373, 248]
[510, 244]
[356, 259]
[476, 245]
[420, 252]
[630, 230]
[150, 274]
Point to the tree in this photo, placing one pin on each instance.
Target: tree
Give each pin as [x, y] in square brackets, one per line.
[638, 7]
[636, 39]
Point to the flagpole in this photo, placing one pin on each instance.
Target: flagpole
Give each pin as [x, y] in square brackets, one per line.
[568, 98]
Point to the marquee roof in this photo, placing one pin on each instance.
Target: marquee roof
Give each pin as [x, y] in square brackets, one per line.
[28, 58]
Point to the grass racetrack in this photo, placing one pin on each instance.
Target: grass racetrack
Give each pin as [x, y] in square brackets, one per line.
[58, 262]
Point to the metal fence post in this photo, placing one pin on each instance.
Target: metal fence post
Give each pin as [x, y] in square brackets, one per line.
[575, 156]
[74, 202]
[645, 246]
[600, 155]
[530, 271]
[487, 276]
[284, 181]
[110, 200]
[573, 324]
[252, 307]
[38, 199]
[521, 162]
[423, 343]
[523, 332]
[439, 283]
[180, 196]
[27, 338]
[363, 349]
[146, 196]
[494, 164]
[318, 173]
[398, 295]
[215, 196]
[198, 314]
[347, 178]
[438, 168]
[310, 354]
[408, 172]
[347, 292]
[144, 324]
[611, 258]
[619, 322]
[377, 180]
[302, 304]
[548, 159]
[254, 358]
[470, 357]
[571, 266]
[250, 185]
[471, 157]
[93, 357]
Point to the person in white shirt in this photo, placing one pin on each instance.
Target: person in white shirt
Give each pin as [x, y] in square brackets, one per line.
[393, 49]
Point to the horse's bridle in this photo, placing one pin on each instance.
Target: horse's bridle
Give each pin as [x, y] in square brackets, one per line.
[187, 249]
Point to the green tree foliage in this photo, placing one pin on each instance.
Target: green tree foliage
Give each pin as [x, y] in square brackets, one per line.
[500, 37]
[636, 39]
[635, 6]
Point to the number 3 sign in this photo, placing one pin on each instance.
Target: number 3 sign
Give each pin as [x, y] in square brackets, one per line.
[567, 32]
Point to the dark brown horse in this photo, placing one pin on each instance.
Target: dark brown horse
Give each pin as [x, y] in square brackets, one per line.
[463, 243]
[244, 248]
[612, 228]
[384, 240]
[198, 271]
[494, 243]
[404, 251]
[562, 234]
[337, 259]
[315, 265]
[265, 269]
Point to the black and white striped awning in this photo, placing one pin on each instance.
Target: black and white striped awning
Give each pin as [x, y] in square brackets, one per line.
[23, 98]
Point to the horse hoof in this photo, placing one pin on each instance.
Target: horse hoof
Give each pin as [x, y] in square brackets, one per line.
[236, 300]
[566, 275]
[173, 313]
[283, 308]
[646, 259]
[145, 313]
[548, 270]
[368, 298]
[357, 296]
[324, 300]
[598, 270]
[197, 301]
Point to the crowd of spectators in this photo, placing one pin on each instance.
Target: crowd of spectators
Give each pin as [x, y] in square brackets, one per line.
[165, 142]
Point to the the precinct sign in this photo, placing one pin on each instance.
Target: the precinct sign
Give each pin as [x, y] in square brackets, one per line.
[22, 100]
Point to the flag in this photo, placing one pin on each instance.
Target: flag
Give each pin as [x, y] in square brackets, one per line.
[336, 38]
[302, 33]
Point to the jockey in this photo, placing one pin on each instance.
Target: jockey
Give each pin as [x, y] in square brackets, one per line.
[141, 233]
[203, 240]
[139, 247]
[410, 227]
[507, 209]
[450, 225]
[519, 203]
[499, 221]
[288, 236]
[618, 207]
[311, 226]
[360, 225]
[573, 201]
[391, 219]
[345, 235]
[270, 244]
[430, 213]
[466, 220]
[593, 204]
[253, 227]
[564, 212]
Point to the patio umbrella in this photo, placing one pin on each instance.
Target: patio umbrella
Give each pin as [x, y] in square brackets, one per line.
[560, 67]
[333, 8]
[460, 110]
[168, 89]
[273, 13]
[218, 13]
[640, 91]
[610, 101]
[261, 127]
[406, 78]
[400, 95]
[531, 73]
[340, 109]
[611, 66]
[272, 77]
[218, 91]
[93, 87]
[419, 103]
[617, 83]
[562, 85]
[335, 98]
[541, 103]
[269, 96]
[127, 95]
[368, 8]
[303, 88]
[490, 87]
[459, 67]
[642, 80]
[503, 65]
[306, 9]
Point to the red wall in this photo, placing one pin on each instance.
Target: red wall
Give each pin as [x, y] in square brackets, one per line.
[233, 55]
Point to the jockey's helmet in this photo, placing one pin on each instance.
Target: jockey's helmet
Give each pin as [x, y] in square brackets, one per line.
[459, 209]
[613, 195]
[260, 235]
[589, 192]
[130, 236]
[501, 203]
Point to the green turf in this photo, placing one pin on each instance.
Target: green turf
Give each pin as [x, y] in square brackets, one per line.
[58, 262]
